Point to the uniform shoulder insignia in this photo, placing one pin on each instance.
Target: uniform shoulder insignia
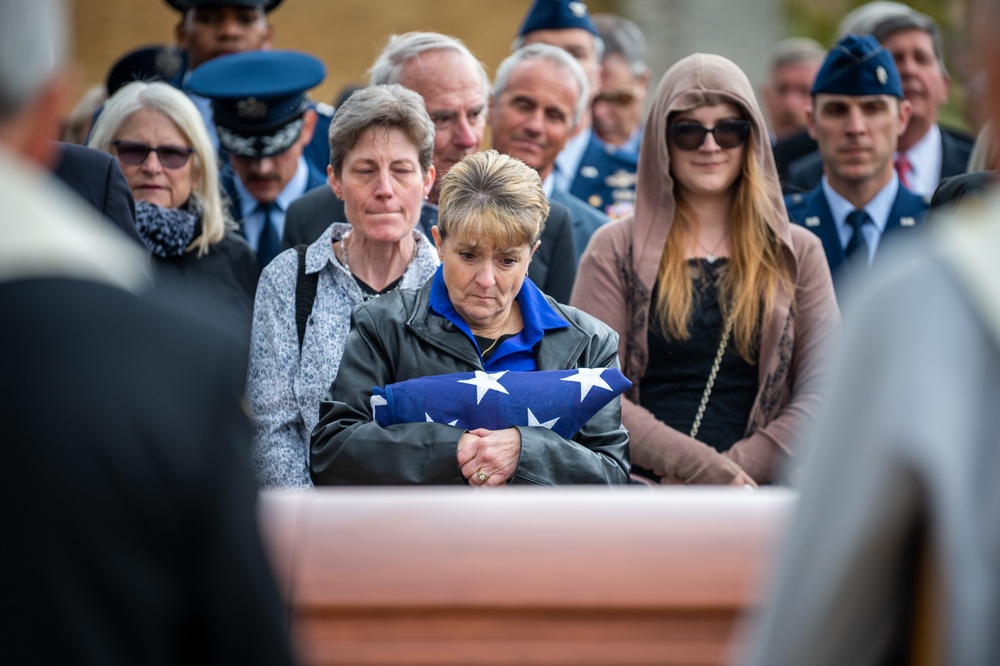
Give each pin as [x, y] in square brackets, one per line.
[812, 221]
[621, 180]
[324, 109]
[907, 221]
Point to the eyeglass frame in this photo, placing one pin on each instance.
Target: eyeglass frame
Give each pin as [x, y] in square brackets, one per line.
[744, 130]
[182, 151]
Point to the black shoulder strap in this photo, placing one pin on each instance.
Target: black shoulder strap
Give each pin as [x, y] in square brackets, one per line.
[305, 294]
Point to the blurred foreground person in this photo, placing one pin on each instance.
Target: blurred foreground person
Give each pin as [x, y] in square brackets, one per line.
[482, 317]
[892, 555]
[131, 535]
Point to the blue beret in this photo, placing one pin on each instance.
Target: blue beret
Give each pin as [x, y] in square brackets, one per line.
[858, 66]
[150, 63]
[184, 5]
[557, 15]
[258, 98]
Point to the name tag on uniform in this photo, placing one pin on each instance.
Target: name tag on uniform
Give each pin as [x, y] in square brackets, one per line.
[906, 221]
[812, 221]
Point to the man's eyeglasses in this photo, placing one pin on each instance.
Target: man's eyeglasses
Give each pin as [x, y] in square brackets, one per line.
[616, 97]
[689, 135]
[135, 153]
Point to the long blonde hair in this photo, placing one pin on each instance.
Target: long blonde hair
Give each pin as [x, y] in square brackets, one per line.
[756, 269]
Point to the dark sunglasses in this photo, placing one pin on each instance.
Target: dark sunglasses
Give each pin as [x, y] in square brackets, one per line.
[689, 135]
[135, 153]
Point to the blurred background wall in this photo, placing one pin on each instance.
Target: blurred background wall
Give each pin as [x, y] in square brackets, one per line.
[347, 34]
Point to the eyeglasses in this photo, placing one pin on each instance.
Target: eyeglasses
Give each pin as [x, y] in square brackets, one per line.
[135, 153]
[616, 97]
[689, 135]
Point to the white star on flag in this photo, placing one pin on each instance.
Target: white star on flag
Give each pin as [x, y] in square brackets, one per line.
[485, 382]
[588, 378]
[430, 420]
[532, 421]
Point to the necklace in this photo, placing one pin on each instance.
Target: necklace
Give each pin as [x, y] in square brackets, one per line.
[710, 255]
[502, 329]
[347, 266]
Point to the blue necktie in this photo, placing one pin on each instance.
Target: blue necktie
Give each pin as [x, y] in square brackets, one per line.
[857, 219]
[267, 242]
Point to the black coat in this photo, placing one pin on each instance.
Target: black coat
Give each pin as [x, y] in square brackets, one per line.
[394, 338]
[97, 177]
[129, 534]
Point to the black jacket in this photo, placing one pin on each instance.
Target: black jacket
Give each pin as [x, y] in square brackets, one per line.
[394, 338]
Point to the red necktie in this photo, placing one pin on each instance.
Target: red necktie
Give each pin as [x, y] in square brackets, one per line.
[903, 168]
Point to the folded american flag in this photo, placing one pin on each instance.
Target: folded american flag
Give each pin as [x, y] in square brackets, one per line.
[560, 400]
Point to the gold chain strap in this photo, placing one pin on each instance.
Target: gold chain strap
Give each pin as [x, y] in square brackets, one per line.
[711, 376]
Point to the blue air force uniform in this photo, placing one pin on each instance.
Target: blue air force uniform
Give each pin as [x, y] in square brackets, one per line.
[259, 106]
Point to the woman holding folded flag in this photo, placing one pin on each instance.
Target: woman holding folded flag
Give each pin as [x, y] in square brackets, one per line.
[478, 377]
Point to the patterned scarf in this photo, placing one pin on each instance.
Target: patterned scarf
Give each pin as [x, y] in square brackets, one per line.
[168, 232]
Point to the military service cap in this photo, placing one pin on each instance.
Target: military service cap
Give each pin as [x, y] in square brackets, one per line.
[557, 15]
[184, 5]
[258, 98]
[858, 66]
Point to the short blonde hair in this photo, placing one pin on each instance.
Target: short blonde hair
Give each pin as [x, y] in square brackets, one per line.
[492, 195]
[176, 106]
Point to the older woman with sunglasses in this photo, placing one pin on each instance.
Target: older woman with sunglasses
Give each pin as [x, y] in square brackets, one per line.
[723, 308]
[168, 160]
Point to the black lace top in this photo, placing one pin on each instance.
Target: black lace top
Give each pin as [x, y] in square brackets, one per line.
[678, 370]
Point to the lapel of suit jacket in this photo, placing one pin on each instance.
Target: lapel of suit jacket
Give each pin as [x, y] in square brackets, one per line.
[817, 206]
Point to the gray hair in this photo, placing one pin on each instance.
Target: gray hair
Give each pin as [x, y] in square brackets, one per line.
[622, 37]
[382, 106]
[911, 21]
[494, 196]
[552, 54]
[863, 19]
[794, 51]
[518, 44]
[400, 49]
[177, 107]
[33, 45]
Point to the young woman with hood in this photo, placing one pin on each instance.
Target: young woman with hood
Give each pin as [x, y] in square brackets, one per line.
[724, 309]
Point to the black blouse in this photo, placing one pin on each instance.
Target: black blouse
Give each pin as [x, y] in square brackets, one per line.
[678, 370]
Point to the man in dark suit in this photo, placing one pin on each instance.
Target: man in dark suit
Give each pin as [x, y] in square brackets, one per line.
[538, 99]
[130, 535]
[857, 116]
[97, 177]
[926, 152]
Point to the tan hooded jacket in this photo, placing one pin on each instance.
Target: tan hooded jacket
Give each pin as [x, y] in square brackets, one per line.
[619, 268]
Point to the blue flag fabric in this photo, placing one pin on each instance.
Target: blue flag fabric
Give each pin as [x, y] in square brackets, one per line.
[560, 400]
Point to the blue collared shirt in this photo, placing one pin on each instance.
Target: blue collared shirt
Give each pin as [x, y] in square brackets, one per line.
[253, 217]
[516, 352]
[878, 210]
[568, 159]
